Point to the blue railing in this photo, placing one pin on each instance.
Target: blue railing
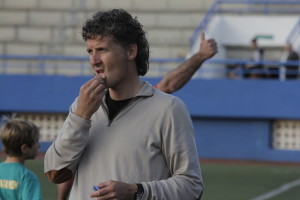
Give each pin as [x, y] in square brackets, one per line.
[158, 63]
[266, 9]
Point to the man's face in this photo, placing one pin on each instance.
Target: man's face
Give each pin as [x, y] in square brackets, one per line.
[109, 58]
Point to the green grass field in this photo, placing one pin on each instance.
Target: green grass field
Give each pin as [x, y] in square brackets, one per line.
[223, 181]
[244, 181]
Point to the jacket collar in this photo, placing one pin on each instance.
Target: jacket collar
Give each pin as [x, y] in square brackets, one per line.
[146, 91]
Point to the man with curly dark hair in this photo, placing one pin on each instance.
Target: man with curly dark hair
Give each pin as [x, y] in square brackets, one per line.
[128, 139]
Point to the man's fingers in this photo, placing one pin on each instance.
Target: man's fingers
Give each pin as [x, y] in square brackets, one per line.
[202, 36]
[103, 193]
[212, 43]
[92, 84]
[88, 83]
[99, 92]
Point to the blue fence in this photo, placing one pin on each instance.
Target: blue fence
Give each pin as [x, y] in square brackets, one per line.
[271, 67]
[232, 118]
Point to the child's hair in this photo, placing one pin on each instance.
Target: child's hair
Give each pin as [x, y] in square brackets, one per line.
[17, 132]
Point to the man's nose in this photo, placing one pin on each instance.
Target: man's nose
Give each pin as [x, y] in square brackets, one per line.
[95, 59]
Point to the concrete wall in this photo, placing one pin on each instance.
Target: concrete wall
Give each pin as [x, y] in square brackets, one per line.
[53, 27]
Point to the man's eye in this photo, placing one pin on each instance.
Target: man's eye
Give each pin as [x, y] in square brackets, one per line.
[101, 50]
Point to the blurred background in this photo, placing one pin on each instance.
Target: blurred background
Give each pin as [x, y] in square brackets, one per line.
[241, 116]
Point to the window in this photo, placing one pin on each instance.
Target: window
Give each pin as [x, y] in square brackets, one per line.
[286, 134]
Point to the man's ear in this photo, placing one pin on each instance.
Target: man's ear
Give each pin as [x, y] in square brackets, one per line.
[132, 52]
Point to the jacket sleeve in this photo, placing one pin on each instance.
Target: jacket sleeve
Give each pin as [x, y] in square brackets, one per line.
[62, 157]
[179, 149]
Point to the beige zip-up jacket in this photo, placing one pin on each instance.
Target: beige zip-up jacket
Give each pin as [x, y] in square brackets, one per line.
[151, 141]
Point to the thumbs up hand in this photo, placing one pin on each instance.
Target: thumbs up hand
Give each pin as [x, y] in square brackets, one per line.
[208, 48]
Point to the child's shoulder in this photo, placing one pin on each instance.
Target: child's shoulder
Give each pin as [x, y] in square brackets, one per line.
[17, 168]
[11, 166]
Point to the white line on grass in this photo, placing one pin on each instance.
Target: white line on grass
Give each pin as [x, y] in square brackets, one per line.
[278, 191]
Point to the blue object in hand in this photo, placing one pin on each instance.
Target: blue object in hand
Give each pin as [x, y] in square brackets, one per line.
[96, 188]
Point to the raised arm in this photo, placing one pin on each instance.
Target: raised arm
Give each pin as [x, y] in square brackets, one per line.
[177, 78]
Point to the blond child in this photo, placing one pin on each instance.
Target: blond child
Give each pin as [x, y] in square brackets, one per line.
[20, 141]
